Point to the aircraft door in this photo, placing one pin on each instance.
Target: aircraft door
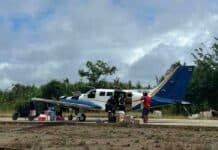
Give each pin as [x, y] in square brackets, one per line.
[128, 102]
[120, 99]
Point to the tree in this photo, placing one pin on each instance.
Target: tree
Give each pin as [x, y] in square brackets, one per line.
[203, 89]
[172, 67]
[148, 86]
[159, 79]
[53, 89]
[66, 83]
[138, 85]
[130, 85]
[94, 71]
[117, 83]
[21, 92]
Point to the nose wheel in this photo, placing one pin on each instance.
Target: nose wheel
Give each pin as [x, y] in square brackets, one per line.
[15, 116]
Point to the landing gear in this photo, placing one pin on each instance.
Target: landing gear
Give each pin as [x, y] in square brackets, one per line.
[30, 118]
[186, 110]
[70, 117]
[15, 116]
[111, 117]
[81, 117]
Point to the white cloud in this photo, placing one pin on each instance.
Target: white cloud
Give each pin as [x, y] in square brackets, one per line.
[42, 40]
[4, 65]
[136, 54]
[6, 83]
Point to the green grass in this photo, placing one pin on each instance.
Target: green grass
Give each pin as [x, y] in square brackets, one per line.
[7, 107]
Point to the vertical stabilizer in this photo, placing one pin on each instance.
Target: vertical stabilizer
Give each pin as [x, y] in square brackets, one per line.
[172, 89]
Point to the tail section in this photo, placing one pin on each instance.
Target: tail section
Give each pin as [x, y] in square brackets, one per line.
[172, 89]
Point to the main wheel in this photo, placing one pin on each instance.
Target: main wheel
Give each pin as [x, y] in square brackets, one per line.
[70, 117]
[111, 117]
[15, 116]
[82, 117]
[30, 118]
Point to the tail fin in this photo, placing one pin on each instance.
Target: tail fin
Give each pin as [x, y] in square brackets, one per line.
[172, 89]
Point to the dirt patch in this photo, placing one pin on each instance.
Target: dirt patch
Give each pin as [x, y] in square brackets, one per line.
[20, 136]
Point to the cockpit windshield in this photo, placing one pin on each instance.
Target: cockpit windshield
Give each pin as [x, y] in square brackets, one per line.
[91, 93]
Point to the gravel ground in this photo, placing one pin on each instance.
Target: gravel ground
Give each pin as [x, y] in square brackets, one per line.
[106, 136]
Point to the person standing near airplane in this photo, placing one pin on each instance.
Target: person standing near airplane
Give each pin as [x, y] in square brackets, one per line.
[111, 108]
[146, 106]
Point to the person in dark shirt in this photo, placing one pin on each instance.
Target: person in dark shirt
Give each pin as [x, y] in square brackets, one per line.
[146, 106]
[110, 108]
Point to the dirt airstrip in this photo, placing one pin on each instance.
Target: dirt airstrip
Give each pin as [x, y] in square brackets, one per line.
[106, 136]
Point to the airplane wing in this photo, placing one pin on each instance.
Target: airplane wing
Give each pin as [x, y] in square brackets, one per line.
[73, 103]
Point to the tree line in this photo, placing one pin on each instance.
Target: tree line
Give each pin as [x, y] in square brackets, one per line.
[202, 91]
[93, 76]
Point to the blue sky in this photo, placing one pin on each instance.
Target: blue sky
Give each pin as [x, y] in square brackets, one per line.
[43, 40]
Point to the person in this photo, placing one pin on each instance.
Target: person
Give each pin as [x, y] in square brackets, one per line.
[146, 106]
[59, 111]
[110, 108]
[121, 102]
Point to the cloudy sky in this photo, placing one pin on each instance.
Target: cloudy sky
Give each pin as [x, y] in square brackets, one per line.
[42, 40]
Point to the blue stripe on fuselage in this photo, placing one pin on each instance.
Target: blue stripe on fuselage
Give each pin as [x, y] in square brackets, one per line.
[81, 102]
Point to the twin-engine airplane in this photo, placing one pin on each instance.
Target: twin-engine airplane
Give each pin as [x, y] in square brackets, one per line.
[170, 91]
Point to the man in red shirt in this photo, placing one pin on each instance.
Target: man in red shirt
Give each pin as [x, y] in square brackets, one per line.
[147, 106]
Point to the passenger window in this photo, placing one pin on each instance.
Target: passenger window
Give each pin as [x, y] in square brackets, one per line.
[129, 95]
[109, 93]
[102, 94]
[91, 94]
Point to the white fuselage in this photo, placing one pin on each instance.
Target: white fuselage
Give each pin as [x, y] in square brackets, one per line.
[101, 96]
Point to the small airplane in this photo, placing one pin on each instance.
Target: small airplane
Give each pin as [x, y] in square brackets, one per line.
[170, 91]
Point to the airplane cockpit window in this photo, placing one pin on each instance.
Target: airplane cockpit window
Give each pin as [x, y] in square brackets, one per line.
[109, 93]
[102, 94]
[91, 94]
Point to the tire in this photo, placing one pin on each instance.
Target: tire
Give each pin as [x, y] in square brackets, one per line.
[111, 117]
[70, 117]
[30, 118]
[82, 118]
[15, 116]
